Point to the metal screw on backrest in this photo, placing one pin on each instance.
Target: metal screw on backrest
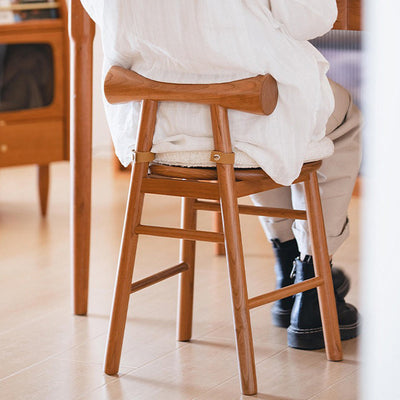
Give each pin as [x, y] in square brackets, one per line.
[216, 157]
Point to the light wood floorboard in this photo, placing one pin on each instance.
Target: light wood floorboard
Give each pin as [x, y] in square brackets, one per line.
[47, 353]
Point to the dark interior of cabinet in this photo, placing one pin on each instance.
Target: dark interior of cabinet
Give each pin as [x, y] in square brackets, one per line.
[26, 76]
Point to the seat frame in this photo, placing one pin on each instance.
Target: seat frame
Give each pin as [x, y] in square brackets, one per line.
[215, 190]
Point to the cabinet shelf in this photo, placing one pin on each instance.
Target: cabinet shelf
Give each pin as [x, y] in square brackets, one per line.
[33, 25]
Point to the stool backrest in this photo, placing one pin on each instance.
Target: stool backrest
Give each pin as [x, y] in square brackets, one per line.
[257, 95]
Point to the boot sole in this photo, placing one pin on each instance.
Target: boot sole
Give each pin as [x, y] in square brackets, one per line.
[313, 339]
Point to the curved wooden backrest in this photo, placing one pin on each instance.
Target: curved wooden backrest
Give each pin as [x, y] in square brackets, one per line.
[257, 95]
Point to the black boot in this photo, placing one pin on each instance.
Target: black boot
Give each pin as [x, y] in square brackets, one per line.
[305, 330]
[285, 255]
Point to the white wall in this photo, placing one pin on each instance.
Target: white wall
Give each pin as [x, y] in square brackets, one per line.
[381, 215]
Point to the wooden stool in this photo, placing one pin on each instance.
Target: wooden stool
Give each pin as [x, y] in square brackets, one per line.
[219, 189]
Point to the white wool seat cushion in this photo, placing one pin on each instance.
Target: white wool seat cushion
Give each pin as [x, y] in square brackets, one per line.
[316, 151]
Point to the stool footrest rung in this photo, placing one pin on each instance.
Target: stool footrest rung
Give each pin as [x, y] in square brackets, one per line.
[158, 277]
[177, 233]
[284, 292]
[255, 210]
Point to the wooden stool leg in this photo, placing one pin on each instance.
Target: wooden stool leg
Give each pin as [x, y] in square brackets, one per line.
[237, 276]
[234, 251]
[326, 295]
[219, 248]
[129, 241]
[123, 283]
[43, 183]
[186, 279]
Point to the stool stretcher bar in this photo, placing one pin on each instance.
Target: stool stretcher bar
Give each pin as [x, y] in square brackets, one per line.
[158, 277]
[188, 234]
[255, 210]
[284, 292]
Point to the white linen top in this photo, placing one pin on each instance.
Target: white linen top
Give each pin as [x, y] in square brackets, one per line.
[207, 41]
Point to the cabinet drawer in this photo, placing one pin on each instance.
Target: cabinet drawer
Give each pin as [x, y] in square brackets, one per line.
[31, 143]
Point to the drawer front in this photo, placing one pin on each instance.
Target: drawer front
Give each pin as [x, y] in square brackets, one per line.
[31, 143]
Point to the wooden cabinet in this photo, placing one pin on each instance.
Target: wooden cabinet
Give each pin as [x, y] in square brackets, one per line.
[349, 16]
[40, 134]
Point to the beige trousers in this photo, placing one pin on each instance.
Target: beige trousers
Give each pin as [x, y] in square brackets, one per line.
[336, 177]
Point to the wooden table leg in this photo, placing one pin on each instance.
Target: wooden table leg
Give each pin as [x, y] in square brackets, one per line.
[82, 31]
[43, 184]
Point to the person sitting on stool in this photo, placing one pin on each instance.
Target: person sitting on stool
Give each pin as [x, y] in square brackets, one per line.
[208, 41]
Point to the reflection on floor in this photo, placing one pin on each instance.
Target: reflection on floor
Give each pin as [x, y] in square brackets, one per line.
[47, 353]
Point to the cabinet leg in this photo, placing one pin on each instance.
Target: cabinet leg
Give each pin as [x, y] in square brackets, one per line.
[43, 184]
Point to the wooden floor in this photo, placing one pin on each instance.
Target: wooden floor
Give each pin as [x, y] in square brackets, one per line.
[47, 353]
